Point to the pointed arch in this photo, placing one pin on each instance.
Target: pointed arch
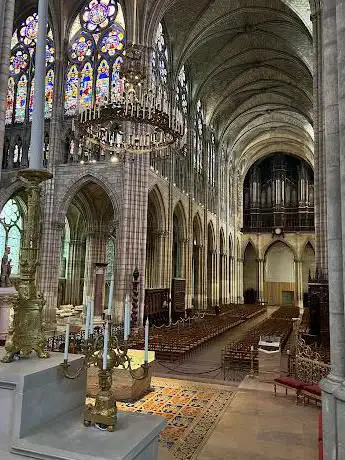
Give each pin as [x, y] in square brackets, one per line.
[74, 186]
[250, 273]
[279, 274]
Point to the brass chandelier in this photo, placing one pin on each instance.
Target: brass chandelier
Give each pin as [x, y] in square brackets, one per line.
[144, 118]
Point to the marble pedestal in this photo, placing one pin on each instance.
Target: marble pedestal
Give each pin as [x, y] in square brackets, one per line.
[6, 297]
[41, 417]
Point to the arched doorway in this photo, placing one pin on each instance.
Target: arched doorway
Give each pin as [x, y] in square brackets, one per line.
[177, 244]
[279, 275]
[196, 263]
[211, 257]
[308, 269]
[154, 267]
[250, 275]
[88, 239]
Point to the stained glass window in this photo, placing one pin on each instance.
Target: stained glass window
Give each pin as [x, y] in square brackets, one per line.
[86, 86]
[49, 93]
[20, 83]
[211, 160]
[102, 85]
[160, 56]
[182, 91]
[72, 90]
[95, 54]
[10, 100]
[21, 98]
[199, 137]
[10, 233]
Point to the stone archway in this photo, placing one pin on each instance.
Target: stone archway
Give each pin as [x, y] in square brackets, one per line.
[211, 261]
[250, 274]
[279, 275]
[155, 240]
[197, 255]
[89, 220]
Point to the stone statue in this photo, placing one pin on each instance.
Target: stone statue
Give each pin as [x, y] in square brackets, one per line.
[6, 268]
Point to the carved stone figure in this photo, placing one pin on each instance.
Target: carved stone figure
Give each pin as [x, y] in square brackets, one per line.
[6, 268]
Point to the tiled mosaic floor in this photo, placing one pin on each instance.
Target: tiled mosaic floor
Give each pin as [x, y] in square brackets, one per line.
[191, 410]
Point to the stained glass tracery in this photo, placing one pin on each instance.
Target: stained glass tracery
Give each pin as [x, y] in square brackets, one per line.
[95, 53]
[199, 137]
[182, 91]
[11, 225]
[22, 72]
[160, 56]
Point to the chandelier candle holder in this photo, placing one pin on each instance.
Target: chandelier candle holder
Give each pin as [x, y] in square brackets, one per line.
[103, 351]
[143, 118]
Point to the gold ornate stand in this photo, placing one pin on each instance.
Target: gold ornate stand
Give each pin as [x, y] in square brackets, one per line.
[104, 412]
[26, 333]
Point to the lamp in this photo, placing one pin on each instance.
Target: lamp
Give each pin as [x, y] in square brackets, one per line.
[144, 118]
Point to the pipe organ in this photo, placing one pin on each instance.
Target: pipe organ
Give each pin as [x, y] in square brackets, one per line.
[279, 194]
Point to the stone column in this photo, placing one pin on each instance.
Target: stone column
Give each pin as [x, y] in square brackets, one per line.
[7, 18]
[37, 126]
[261, 298]
[131, 243]
[299, 283]
[96, 252]
[232, 280]
[240, 281]
[333, 94]
[320, 205]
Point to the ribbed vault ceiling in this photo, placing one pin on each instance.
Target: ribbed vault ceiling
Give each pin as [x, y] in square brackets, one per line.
[250, 62]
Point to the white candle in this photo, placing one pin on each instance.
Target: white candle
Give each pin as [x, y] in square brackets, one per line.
[87, 322]
[146, 354]
[105, 348]
[92, 313]
[111, 293]
[129, 316]
[169, 306]
[65, 355]
[125, 322]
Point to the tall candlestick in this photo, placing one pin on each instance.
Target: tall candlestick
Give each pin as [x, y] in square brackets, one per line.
[146, 353]
[87, 322]
[92, 313]
[65, 355]
[129, 312]
[105, 348]
[111, 293]
[169, 306]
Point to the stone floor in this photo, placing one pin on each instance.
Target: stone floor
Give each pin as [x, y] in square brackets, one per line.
[256, 425]
[259, 426]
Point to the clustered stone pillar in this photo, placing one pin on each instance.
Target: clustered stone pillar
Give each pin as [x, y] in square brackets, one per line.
[299, 283]
[333, 58]
[6, 30]
[261, 281]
